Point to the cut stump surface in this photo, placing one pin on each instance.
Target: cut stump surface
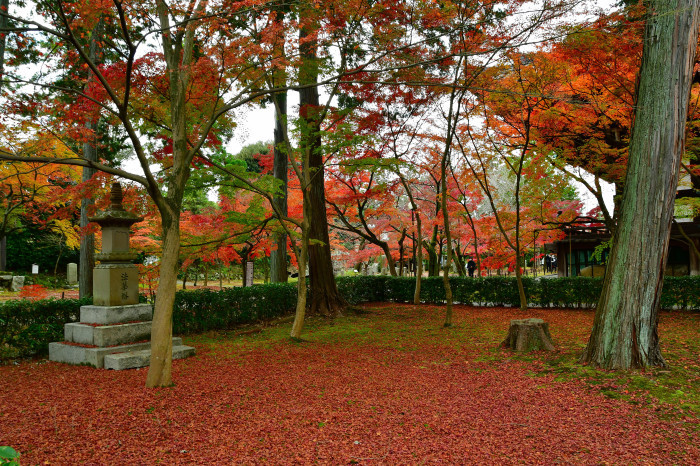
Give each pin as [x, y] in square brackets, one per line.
[528, 335]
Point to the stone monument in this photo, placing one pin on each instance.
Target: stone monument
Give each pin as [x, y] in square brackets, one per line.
[17, 283]
[113, 332]
[72, 273]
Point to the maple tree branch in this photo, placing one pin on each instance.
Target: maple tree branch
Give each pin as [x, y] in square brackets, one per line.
[4, 155]
[14, 79]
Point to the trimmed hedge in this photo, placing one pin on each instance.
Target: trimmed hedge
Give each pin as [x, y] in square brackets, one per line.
[27, 327]
[574, 292]
[201, 310]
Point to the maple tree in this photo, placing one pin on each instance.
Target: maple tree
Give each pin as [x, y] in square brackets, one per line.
[35, 192]
[179, 95]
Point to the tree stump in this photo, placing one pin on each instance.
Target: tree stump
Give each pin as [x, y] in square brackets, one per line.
[528, 335]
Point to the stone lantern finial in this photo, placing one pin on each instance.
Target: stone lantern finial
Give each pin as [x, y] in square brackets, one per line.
[116, 197]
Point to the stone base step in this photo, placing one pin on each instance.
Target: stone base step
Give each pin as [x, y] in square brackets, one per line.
[106, 335]
[142, 358]
[105, 315]
[71, 354]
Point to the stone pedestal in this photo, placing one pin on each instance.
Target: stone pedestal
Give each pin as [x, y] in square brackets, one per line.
[114, 332]
[111, 337]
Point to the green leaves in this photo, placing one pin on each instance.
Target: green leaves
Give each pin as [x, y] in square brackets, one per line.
[9, 456]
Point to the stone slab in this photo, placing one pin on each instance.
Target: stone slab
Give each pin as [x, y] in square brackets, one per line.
[17, 283]
[134, 359]
[115, 314]
[70, 354]
[106, 335]
[72, 273]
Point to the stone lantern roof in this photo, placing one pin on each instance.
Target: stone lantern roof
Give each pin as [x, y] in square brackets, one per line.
[115, 223]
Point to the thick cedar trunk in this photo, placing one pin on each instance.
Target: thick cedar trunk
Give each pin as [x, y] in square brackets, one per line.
[624, 334]
[5, 4]
[278, 257]
[325, 298]
[160, 370]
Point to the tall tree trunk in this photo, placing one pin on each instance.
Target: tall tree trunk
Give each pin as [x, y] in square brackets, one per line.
[4, 5]
[302, 257]
[87, 241]
[401, 240]
[624, 334]
[419, 258]
[433, 263]
[325, 298]
[278, 257]
[3, 253]
[160, 370]
[391, 263]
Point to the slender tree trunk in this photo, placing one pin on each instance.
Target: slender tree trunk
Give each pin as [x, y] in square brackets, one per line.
[3, 253]
[302, 257]
[4, 5]
[458, 260]
[160, 370]
[624, 334]
[391, 263]
[87, 241]
[433, 259]
[419, 259]
[278, 257]
[403, 237]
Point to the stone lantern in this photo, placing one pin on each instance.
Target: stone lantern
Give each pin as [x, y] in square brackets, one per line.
[116, 278]
[113, 332]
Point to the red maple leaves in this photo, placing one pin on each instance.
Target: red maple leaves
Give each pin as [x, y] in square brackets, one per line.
[387, 387]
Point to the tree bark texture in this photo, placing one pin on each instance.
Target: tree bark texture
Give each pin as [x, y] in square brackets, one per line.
[160, 370]
[325, 298]
[624, 334]
[87, 241]
[278, 257]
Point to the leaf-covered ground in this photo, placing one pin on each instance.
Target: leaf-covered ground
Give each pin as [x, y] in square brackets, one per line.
[388, 386]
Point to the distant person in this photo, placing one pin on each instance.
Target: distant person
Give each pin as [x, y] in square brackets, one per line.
[471, 266]
[554, 263]
[548, 263]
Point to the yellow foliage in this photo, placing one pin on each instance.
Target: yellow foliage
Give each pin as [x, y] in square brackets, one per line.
[64, 228]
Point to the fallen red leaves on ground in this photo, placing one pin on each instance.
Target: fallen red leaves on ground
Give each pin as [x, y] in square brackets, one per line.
[401, 390]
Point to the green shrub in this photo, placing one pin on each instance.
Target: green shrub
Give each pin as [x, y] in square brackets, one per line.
[27, 327]
[201, 310]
